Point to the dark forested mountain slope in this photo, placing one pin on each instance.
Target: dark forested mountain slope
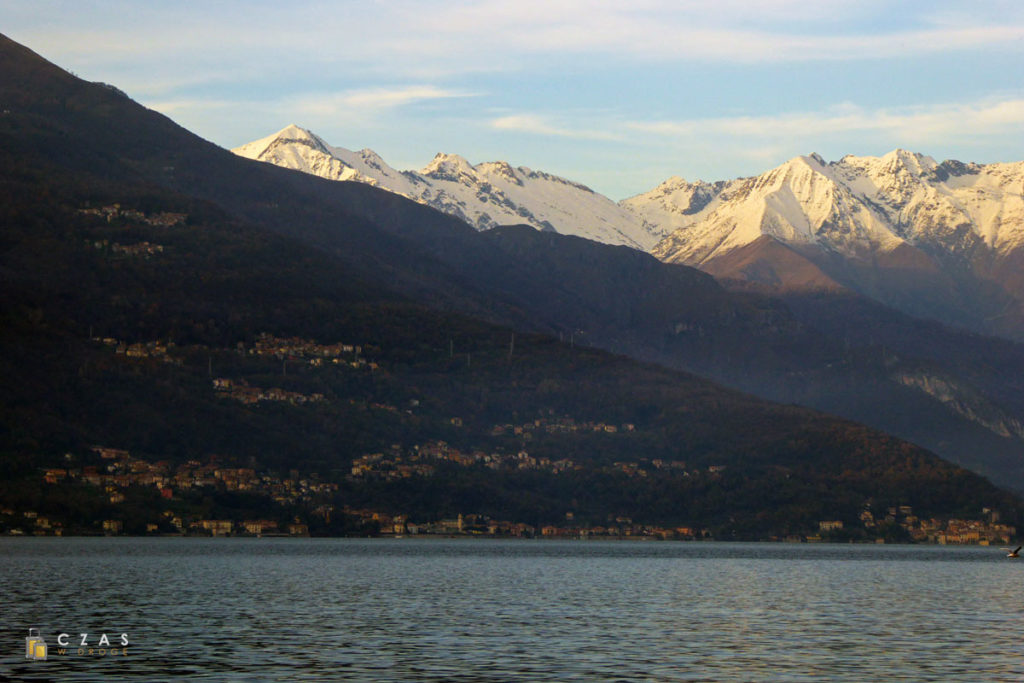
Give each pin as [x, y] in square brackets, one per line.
[144, 271]
[159, 326]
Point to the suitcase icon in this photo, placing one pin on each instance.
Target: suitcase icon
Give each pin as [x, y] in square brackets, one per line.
[35, 646]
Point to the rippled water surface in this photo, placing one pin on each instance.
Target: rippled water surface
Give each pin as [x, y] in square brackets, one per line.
[485, 610]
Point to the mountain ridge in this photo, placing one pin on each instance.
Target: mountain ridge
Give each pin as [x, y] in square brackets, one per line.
[485, 195]
[872, 224]
[939, 240]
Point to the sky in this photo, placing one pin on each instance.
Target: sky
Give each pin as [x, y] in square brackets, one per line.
[617, 95]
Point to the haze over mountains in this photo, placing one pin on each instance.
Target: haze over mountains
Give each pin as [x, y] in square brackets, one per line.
[939, 240]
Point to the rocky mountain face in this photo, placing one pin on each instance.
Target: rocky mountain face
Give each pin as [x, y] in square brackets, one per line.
[935, 239]
[485, 195]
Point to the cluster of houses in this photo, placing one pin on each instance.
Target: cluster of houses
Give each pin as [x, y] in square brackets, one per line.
[292, 349]
[118, 470]
[985, 531]
[481, 525]
[953, 531]
[559, 425]
[295, 347]
[125, 470]
[422, 460]
[216, 527]
[40, 525]
[239, 390]
[112, 212]
[144, 249]
[137, 249]
[154, 349]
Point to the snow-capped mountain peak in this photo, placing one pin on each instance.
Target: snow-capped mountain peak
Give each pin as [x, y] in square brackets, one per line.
[799, 202]
[289, 135]
[486, 195]
[499, 169]
[298, 148]
[900, 227]
[451, 167]
[912, 162]
[371, 159]
[852, 206]
[864, 222]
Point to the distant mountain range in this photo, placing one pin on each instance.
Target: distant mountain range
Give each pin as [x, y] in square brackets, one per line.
[939, 240]
[807, 337]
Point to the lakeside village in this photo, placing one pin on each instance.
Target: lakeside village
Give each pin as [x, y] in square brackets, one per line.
[120, 471]
[306, 505]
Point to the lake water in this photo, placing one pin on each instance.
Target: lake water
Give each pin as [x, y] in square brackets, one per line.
[488, 610]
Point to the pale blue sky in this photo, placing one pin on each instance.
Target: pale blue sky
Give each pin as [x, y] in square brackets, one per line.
[617, 95]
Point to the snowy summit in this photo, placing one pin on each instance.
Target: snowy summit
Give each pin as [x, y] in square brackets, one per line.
[485, 195]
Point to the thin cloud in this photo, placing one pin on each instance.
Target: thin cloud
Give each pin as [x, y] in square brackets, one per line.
[549, 75]
[389, 98]
[372, 101]
[914, 124]
[352, 102]
[536, 125]
[730, 32]
[436, 40]
[659, 42]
